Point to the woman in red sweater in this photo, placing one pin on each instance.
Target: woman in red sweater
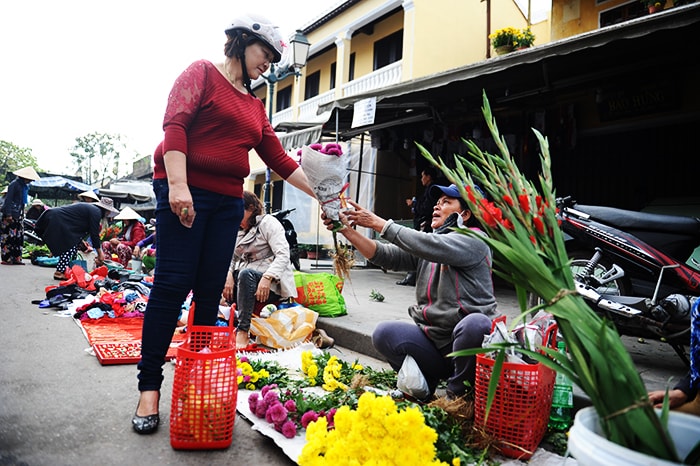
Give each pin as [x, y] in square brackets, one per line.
[211, 122]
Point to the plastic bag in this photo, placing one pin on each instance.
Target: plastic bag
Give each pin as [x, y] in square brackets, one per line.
[326, 170]
[321, 292]
[284, 328]
[411, 381]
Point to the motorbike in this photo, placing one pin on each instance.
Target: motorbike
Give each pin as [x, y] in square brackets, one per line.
[291, 235]
[627, 266]
[30, 235]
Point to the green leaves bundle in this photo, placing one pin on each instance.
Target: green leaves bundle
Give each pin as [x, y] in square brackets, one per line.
[529, 252]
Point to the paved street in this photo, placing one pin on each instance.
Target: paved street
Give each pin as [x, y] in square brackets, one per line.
[59, 406]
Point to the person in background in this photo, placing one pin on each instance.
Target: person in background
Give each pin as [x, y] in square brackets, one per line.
[212, 120]
[132, 232]
[422, 208]
[145, 250]
[63, 229]
[685, 397]
[260, 264]
[3, 194]
[36, 208]
[454, 289]
[11, 228]
[88, 196]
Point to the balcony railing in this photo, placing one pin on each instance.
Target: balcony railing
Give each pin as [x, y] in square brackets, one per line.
[390, 74]
[282, 116]
[309, 107]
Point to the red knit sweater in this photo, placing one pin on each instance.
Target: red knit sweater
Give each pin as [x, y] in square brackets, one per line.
[215, 126]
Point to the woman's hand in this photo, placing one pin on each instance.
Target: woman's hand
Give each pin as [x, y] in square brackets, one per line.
[181, 204]
[114, 242]
[263, 292]
[228, 288]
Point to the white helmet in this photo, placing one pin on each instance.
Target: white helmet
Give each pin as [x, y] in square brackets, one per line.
[263, 30]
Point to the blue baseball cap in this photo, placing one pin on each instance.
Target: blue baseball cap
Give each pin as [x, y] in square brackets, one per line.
[437, 191]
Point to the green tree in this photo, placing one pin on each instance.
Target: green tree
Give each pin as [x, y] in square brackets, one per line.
[13, 157]
[97, 156]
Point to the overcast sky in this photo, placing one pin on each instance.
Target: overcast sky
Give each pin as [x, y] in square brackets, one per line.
[72, 67]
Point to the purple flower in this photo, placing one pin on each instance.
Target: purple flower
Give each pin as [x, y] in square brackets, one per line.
[316, 146]
[244, 359]
[290, 406]
[308, 418]
[276, 413]
[289, 429]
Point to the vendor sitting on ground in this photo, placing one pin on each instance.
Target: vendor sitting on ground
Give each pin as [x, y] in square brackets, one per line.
[683, 398]
[145, 250]
[260, 264]
[454, 289]
[133, 231]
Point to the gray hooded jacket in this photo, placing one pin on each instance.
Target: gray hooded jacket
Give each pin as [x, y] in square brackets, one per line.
[453, 276]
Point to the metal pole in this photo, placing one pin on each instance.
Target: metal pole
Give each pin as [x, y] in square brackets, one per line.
[268, 172]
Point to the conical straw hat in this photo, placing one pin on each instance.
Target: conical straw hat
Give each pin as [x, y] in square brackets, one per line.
[28, 173]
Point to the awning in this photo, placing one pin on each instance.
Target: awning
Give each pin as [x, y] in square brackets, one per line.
[594, 56]
[302, 137]
[57, 187]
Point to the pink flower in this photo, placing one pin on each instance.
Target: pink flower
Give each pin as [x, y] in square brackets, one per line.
[330, 418]
[246, 378]
[290, 406]
[253, 401]
[244, 359]
[276, 413]
[260, 410]
[270, 398]
[308, 418]
[289, 429]
[316, 146]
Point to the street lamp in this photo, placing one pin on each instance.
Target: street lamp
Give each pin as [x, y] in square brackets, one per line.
[300, 53]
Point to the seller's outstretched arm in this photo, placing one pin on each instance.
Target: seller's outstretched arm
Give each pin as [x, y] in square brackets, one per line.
[358, 217]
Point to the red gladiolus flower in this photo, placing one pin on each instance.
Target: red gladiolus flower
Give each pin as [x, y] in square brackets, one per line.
[470, 194]
[524, 203]
[539, 225]
[509, 200]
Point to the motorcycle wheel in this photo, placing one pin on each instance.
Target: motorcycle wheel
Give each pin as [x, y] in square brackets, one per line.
[579, 260]
[294, 258]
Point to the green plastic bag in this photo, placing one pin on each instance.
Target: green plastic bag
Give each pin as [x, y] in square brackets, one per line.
[321, 292]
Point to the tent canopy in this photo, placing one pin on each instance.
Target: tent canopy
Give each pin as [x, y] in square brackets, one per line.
[57, 187]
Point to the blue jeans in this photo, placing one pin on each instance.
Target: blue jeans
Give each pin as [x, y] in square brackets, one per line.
[394, 340]
[187, 259]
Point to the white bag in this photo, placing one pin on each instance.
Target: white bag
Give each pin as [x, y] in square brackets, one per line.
[411, 381]
[326, 174]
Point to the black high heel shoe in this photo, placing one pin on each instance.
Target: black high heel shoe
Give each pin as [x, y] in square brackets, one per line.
[145, 424]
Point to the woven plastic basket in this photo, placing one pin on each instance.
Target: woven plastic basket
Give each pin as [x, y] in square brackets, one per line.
[205, 389]
[520, 410]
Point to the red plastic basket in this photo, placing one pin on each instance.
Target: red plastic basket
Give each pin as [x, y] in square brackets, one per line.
[520, 409]
[205, 389]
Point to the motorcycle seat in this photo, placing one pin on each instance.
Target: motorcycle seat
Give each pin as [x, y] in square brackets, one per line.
[630, 219]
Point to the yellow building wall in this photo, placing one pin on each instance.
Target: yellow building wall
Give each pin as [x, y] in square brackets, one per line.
[323, 63]
[572, 17]
[363, 44]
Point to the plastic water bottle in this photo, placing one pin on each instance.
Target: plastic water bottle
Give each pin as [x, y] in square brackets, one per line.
[561, 415]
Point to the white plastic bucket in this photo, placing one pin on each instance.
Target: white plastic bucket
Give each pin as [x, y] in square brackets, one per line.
[590, 448]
